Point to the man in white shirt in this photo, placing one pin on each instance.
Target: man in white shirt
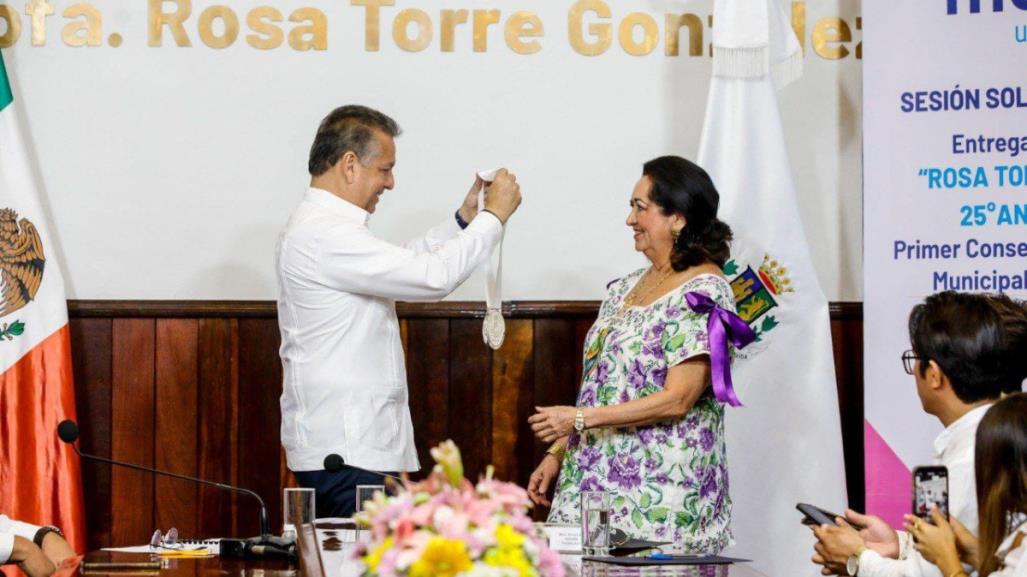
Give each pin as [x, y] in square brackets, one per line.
[345, 389]
[967, 351]
[35, 550]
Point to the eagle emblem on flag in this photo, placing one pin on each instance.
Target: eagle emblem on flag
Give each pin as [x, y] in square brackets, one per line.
[21, 262]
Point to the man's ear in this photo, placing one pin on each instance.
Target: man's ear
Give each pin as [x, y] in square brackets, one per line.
[936, 378]
[347, 166]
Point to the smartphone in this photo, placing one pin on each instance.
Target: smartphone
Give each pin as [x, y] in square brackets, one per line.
[813, 515]
[930, 487]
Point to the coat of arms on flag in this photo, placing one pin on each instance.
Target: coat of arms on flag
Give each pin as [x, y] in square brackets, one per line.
[756, 292]
[21, 267]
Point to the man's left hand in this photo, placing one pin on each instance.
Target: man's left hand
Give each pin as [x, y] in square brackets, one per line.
[834, 546]
[469, 209]
[552, 423]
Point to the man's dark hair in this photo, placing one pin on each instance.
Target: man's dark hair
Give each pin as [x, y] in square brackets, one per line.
[348, 128]
[977, 340]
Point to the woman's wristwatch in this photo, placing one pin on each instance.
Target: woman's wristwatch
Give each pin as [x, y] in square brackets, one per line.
[579, 421]
[852, 563]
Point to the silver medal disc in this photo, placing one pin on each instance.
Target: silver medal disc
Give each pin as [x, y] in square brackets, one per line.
[493, 330]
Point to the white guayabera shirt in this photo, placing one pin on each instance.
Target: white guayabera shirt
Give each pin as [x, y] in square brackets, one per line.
[9, 529]
[345, 385]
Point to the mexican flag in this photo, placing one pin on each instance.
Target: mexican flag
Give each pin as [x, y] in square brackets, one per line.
[784, 444]
[39, 475]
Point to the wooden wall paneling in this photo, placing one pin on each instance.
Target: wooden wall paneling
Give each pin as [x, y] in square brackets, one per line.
[428, 384]
[555, 360]
[176, 440]
[132, 416]
[470, 394]
[581, 328]
[259, 445]
[216, 413]
[513, 376]
[91, 363]
[847, 341]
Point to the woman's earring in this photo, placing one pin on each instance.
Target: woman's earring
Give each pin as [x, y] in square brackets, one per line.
[675, 234]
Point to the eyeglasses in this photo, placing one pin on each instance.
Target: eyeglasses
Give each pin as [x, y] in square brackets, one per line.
[909, 359]
[167, 540]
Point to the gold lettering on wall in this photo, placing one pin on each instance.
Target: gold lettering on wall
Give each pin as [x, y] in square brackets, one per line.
[158, 19]
[674, 23]
[400, 30]
[650, 34]
[859, 45]
[829, 34]
[372, 21]
[87, 32]
[482, 20]
[230, 27]
[450, 20]
[600, 33]
[523, 25]
[38, 10]
[313, 36]
[12, 22]
[261, 21]
[799, 23]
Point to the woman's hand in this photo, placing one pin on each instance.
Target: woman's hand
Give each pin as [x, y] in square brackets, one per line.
[552, 423]
[935, 540]
[541, 479]
[966, 543]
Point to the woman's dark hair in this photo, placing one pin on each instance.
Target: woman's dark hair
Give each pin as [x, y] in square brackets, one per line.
[979, 342]
[1000, 467]
[681, 186]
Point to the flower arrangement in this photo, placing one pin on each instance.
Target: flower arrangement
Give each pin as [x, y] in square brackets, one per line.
[446, 527]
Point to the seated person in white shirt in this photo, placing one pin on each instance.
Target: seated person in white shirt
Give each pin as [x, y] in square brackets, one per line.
[37, 551]
[344, 378]
[967, 351]
[1001, 469]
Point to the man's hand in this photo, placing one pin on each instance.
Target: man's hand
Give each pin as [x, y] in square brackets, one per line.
[834, 546]
[503, 196]
[966, 543]
[31, 559]
[542, 478]
[876, 533]
[469, 209]
[56, 548]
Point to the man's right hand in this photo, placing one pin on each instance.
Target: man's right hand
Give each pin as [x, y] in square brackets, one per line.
[876, 533]
[31, 559]
[503, 195]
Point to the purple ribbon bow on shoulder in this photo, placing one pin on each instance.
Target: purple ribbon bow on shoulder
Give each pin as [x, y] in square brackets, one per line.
[721, 325]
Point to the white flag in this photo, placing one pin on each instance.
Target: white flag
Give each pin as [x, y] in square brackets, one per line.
[785, 443]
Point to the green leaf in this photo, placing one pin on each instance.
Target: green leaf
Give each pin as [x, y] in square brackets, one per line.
[730, 268]
[619, 502]
[17, 328]
[635, 347]
[645, 501]
[636, 518]
[658, 514]
[675, 343]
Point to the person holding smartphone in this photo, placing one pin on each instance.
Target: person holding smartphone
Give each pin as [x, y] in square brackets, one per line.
[1001, 474]
[967, 350]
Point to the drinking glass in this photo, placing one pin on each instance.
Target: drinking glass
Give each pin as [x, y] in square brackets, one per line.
[595, 523]
[298, 510]
[366, 493]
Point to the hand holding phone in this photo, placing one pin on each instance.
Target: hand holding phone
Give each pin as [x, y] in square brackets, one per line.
[813, 515]
[930, 487]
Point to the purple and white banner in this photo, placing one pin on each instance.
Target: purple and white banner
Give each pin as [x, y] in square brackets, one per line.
[945, 196]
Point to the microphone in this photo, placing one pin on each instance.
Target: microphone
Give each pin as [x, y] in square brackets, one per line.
[334, 463]
[68, 432]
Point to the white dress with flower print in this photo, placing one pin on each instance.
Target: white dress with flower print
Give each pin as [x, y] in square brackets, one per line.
[668, 481]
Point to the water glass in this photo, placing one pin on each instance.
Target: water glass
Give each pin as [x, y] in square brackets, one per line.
[366, 493]
[298, 510]
[595, 523]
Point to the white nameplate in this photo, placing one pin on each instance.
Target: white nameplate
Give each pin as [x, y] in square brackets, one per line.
[563, 538]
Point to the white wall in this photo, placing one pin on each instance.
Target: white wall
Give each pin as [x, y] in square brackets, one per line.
[169, 170]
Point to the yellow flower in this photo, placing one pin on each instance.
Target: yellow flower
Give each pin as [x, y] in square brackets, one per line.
[508, 538]
[373, 558]
[441, 558]
[510, 558]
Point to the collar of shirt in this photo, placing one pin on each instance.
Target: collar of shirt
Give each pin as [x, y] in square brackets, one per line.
[337, 205]
[959, 433]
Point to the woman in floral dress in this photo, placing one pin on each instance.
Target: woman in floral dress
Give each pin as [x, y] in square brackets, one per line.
[648, 428]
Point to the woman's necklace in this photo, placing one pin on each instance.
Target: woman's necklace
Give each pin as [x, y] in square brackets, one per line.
[644, 288]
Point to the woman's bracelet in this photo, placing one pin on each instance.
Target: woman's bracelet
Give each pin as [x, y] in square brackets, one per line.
[958, 573]
[557, 450]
